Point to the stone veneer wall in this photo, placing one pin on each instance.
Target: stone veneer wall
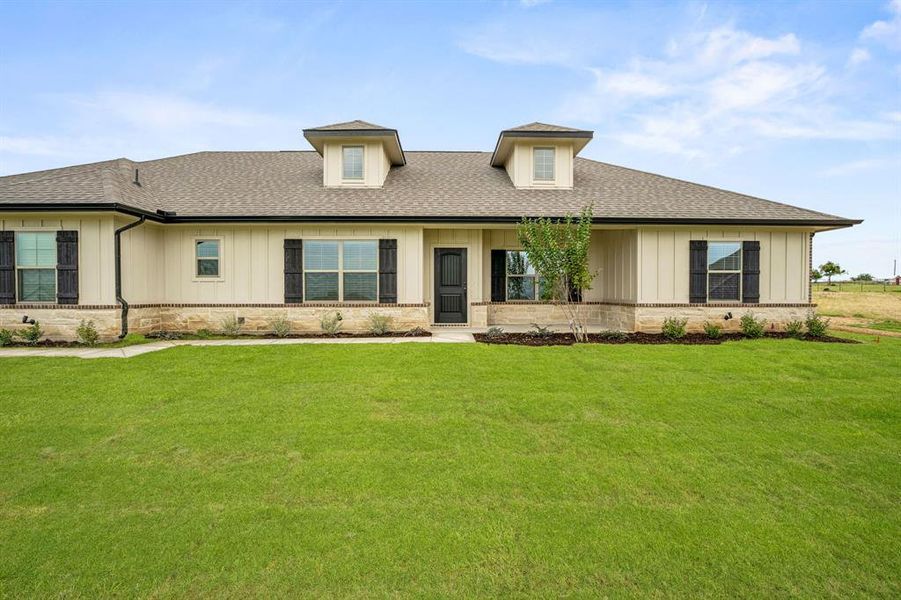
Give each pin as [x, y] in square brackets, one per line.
[597, 314]
[59, 322]
[650, 318]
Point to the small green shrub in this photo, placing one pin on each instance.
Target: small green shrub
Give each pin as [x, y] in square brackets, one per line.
[280, 325]
[6, 337]
[86, 333]
[331, 323]
[752, 327]
[795, 328]
[230, 326]
[379, 324]
[614, 335]
[539, 331]
[32, 335]
[416, 332]
[817, 326]
[494, 332]
[674, 328]
[712, 330]
[169, 335]
[204, 334]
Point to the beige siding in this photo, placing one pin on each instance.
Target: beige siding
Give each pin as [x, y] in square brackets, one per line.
[664, 262]
[96, 270]
[471, 239]
[376, 163]
[519, 165]
[253, 261]
[614, 261]
[142, 259]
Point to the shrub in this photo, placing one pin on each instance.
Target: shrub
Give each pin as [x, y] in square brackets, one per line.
[331, 323]
[86, 333]
[379, 324]
[31, 334]
[280, 325]
[538, 331]
[416, 332]
[230, 326]
[751, 327]
[613, 335]
[6, 337]
[674, 328]
[204, 334]
[817, 326]
[713, 331]
[795, 328]
[494, 332]
[168, 335]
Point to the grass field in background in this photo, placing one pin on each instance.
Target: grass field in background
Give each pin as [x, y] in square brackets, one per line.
[867, 304]
[757, 468]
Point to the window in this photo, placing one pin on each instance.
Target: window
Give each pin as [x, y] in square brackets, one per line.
[36, 266]
[723, 271]
[336, 271]
[207, 258]
[543, 164]
[352, 162]
[522, 281]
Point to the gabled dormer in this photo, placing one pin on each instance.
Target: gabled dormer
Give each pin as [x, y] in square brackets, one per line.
[540, 156]
[356, 154]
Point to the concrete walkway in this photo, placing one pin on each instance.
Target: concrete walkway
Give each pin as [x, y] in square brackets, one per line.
[438, 337]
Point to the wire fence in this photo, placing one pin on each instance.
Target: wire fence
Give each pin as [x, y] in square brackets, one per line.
[857, 286]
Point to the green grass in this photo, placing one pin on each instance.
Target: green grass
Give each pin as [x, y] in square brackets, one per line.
[761, 468]
[887, 325]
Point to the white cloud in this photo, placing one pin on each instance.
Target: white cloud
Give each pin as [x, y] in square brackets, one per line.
[867, 164]
[858, 56]
[886, 32]
[630, 84]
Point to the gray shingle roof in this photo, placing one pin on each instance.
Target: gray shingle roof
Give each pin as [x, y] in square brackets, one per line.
[436, 185]
[536, 126]
[348, 126]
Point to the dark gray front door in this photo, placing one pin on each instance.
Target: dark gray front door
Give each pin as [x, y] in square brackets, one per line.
[450, 285]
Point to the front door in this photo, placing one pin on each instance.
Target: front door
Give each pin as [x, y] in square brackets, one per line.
[450, 285]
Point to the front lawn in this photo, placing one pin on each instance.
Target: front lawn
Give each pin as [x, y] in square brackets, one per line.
[760, 468]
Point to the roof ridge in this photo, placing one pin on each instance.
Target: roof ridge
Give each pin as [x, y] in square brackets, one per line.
[706, 186]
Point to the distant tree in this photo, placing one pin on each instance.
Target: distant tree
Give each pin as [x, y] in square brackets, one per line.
[831, 268]
[863, 277]
[815, 275]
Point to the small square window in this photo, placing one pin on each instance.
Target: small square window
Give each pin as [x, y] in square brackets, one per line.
[543, 164]
[36, 266]
[207, 258]
[352, 162]
[724, 271]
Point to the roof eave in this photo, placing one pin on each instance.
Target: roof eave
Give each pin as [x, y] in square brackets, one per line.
[498, 157]
[316, 138]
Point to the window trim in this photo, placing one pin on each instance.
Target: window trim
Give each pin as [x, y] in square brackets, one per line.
[553, 179]
[341, 270]
[739, 272]
[17, 268]
[194, 258]
[535, 280]
[362, 177]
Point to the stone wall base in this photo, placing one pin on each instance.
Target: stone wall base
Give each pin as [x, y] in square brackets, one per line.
[607, 316]
[59, 323]
[650, 319]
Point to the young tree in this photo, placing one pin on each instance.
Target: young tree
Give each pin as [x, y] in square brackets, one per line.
[829, 269]
[815, 274]
[863, 277]
[558, 251]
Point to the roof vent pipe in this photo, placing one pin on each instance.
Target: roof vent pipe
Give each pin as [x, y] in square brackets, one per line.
[137, 180]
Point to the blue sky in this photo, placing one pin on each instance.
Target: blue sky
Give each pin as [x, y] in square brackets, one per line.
[795, 102]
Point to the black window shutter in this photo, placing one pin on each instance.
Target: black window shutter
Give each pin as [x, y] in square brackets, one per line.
[67, 267]
[498, 275]
[697, 262]
[575, 293]
[7, 267]
[293, 271]
[387, 271]
[750, 272]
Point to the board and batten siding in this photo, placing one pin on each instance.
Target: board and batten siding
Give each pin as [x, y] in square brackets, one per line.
[471, 239]
[664, 272]
[96, 266]
[158, 262]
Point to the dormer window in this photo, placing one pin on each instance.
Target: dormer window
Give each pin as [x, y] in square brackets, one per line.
[352, 163]
[543, 160]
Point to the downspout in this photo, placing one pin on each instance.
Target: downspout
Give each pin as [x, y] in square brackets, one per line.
[119, 298]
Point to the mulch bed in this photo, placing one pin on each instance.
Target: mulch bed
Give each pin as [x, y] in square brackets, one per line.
[566, 339]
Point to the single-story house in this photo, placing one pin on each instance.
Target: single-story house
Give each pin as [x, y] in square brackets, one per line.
[360, 226]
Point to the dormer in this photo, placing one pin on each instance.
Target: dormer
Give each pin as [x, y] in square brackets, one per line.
[540, 156]
[356, 154]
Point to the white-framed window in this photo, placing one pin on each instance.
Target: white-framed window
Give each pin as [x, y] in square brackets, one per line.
[724, 271]
[36, 266]
[543, 160]
[352, 163]
[522, 280]
[341, 270]
[208, 258]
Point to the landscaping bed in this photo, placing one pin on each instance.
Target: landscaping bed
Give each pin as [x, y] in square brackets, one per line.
[566, 339]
